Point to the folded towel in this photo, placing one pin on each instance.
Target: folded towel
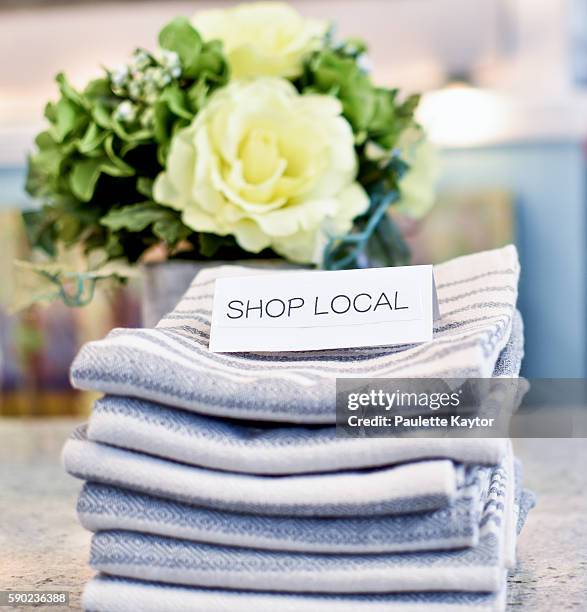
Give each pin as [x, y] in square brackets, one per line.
[479, 569]
[224, 444]
[412, 487]
[256, 449]
[105, 508]
[114, 594]
[171, 364]
[111, 594]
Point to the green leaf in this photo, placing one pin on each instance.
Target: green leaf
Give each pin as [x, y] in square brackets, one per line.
[162, 121]
[84, 176]
[177, 101]
[135, 217]
[36, 182]
[68, 227]
[47, 161]
[408, 108]
[180, 36]
[127, 147]
[212, 64]
[44, 140]
[171, 230]
[92, 139]
[123, 168]
[68, 92]
[197, 94]
[145, 186]
[113, 247]
[211, 243]
[384, 112]
[341, 76]
[50, 112]
[165, 125]
[167, 224]
[66, 119]
[98, 88]
[162, 152]
[130, 136]
[102, 115]
[373, 112]
[40, 229]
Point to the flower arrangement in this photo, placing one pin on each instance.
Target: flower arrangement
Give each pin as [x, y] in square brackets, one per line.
[249, 132]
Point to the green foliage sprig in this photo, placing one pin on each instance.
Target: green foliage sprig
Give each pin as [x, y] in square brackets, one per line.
[95, 164]
[378, 118]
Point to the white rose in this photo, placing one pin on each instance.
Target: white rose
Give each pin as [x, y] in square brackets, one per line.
[270, 166]
[263, 38]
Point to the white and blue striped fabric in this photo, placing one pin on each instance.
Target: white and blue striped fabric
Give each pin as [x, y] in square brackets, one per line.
[277, 449]
[409, 487]
[149, 539]
[114, 594]
[222, 444]
[480, 568]
[171, 363]
[109, 593]
[217, 483]
[456, 525]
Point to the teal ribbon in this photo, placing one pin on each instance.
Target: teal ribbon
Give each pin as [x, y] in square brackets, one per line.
[376, 230]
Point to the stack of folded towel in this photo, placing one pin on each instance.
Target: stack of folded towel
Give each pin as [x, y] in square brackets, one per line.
[216, 482]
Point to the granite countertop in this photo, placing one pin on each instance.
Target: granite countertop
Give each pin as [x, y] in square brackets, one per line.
[43, 547]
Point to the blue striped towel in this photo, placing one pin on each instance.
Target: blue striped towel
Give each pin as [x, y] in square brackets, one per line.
[258, 448]
[107, 508]
[107, 593]
[224, 444]
[171, 363]
[112, 594]
[478, 569]
[410, 487]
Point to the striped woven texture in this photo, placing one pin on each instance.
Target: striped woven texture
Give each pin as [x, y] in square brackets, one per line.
[456, 525]
[171, 364]
[216, 482]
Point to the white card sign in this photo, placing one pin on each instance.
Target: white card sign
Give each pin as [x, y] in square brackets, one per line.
[298, 311]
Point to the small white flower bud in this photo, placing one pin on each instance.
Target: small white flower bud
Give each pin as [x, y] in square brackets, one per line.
[126, 111]
[119, 75]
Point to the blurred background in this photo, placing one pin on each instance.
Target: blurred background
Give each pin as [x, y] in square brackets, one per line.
[505, 100]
